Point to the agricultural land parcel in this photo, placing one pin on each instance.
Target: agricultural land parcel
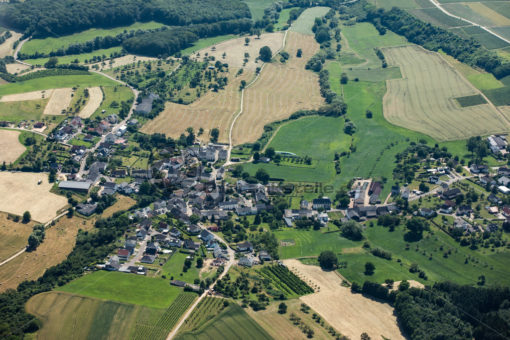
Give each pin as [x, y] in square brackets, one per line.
[94, 100]
[7, 48]
[13, 236]
[10, 146]
[423, 99]
[58, 244]
[21, 192]
[351, 314]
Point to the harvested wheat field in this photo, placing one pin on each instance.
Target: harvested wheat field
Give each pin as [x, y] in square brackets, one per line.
[59, 101]
[20, 193]
[6, 49]
[13, 236]
[94, 101]
[423, 100]
[34, 95]
[18, 68]
[281, 90]
[121, 61]
[10, 147]
[212, 110]
[58, 243]
[235, 50]
[350, 314]
[123, 203]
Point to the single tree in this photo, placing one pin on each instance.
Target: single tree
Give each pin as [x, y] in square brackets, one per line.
[369, 268]
[265, 54]
[26, 217]
[215, 133]
[328, 260]
[282, 308]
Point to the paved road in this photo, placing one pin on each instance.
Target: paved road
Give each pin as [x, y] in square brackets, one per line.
[229, 264]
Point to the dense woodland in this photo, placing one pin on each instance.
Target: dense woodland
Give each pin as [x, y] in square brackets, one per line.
[42, 18]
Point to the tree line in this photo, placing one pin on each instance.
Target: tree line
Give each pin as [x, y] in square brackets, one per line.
[169, 41]
[43, 18]
[434, 38]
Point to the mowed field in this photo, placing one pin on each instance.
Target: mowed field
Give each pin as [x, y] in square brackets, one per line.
[305, 22]
[281, 90]
[59, 101]
[58, 244]
[20, 193]
[351, 314]
[10, 146]
[93, 102]
[424, 99]
[212, 110]
[235, 49]
[13, 236]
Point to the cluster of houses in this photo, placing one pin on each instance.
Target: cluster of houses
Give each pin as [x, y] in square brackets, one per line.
[67, 130]
[498, 144]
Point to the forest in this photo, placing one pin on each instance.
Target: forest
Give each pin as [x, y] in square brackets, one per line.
[43, 18]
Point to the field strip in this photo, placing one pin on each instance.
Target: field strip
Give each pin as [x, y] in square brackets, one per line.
[6, 49]
[59, 101]
[438, 5]
[34, 95]
[95, 100]
[10, 146]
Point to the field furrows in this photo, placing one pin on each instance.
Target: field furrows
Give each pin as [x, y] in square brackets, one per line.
[424, 99]
[281, 90]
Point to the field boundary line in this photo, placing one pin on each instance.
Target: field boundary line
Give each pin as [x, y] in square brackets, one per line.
[442, 9]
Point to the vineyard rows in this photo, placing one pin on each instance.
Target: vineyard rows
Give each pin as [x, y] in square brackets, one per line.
[286, 280]
[206, 310]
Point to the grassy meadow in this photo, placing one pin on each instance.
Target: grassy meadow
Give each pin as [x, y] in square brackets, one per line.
[257, 7]
[206, 42]
[121, 287]
[71, 58]
[47, 45]
[24, 110]
[173, 268]
[305, 22]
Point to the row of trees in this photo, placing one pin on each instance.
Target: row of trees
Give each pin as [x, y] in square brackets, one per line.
[169, 41]
[42, 18]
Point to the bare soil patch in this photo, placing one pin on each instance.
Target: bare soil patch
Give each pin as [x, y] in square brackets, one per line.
[93, 103]
[34, 95]
[235, 50]
[59, 101]
[212, 110]
[10, 146]
[350, 314]
[58, 243]
[281, 90]
[20, 193]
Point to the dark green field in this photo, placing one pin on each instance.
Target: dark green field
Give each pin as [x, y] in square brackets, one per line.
[471, 100]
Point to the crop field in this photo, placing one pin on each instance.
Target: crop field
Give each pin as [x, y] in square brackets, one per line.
[168, 320]
[281, 90]
[22, 193]
[232, 323]
[46, 83]
[10, 146]
[436, 17]
[212, 110]
[13, 236]
[207, 309]
[257, 7]
[478, 13]
[305, 22]
[58, 244]
[6, 49]
[93, 102]
[422, 100]
[52, 44]
[302, 243]
[121, 287]
[286, 281]
[67, 316]
[59, 102]
[233, 51]
[351, 314]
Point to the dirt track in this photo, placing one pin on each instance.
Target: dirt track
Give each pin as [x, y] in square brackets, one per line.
[351, 314]
[10, 147]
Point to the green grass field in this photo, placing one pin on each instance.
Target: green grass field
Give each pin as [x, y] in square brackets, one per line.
[111, 94]
[53, 82]
[173, 268]
[310, 242]
[231, 324]
[121, 287]
[257, 7]
[429, 255]
[52, 44]
[25, 110]
[374, 74]
[206, 42]
[305, 22]
[284, 17]
[80, 57]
